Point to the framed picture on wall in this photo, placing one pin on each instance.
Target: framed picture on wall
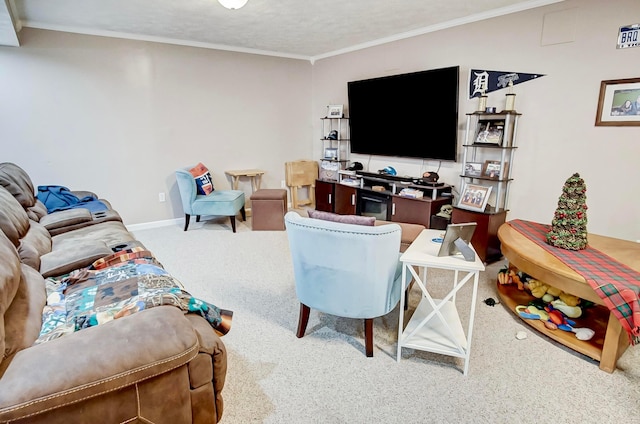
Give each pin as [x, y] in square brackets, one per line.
[334, 111]
[619, 103]
[474, 197]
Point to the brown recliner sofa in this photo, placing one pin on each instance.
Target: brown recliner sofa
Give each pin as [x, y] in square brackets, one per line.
[17, 181]
[156, 366]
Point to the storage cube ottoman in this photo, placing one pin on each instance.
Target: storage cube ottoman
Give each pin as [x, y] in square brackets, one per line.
[268, 207]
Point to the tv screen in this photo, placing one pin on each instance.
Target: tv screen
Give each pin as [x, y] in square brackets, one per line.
[409, 115]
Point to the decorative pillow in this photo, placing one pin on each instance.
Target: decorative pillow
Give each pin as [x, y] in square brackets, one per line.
[203, 179]
[345, 219]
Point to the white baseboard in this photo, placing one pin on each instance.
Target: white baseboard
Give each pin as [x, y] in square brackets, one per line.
[155, 224]
[166, 223]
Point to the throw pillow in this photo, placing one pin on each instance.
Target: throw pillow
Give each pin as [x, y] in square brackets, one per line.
[204, 183]
[345, 219]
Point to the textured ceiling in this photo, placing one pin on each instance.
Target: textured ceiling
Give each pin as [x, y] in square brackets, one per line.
[290, 28]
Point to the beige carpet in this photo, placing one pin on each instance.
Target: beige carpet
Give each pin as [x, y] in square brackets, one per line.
[273, 377]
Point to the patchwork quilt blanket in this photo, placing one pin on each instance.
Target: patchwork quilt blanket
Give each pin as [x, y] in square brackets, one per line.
[122, 284]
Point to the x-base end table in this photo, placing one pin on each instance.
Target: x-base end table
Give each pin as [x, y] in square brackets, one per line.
[435, 325]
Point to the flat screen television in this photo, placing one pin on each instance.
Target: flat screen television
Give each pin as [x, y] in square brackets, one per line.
[411, 115]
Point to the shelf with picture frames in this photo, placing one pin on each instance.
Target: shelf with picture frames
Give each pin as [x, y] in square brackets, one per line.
[335, 143]
[487, 161]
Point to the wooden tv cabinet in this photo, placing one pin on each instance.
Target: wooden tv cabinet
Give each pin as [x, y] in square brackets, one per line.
[610, 340]
[332, 196]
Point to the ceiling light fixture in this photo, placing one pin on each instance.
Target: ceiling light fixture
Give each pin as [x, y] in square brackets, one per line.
[233, 4]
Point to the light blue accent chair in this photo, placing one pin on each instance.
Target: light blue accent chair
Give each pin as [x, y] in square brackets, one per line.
[217, 203]
[346, 270]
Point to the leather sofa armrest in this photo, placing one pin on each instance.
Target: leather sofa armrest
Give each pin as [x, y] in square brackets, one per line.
[74, 256]
[65, 218]
[95, 361]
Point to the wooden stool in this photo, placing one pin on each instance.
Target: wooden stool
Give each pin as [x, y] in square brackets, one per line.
[268, 207]
[301, 174]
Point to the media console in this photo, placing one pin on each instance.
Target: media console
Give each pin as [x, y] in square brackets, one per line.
[356, 195]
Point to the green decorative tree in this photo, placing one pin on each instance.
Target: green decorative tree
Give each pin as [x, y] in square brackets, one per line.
[569, 225]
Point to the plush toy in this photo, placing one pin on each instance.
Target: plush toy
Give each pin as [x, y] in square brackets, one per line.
[554, 319]
[509, 276]
[548, 293]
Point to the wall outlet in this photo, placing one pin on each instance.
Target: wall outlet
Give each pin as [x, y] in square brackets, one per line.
[283, 184]
[161, 197]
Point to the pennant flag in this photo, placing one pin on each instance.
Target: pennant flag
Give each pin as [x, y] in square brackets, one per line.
[484, 81]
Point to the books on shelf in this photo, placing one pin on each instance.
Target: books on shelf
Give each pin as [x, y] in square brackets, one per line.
[350, 182]
[412, 193]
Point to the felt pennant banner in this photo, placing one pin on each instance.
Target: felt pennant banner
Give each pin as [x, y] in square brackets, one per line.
[484, 81]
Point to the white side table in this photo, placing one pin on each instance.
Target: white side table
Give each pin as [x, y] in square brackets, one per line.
[435, 325]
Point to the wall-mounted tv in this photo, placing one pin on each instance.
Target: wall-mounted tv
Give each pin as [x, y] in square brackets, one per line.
[411, 115]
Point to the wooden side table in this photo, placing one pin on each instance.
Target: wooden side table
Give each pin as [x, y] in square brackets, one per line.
[254, 174]
[610, 340]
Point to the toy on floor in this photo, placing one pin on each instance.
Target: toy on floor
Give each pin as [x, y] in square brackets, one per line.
[554, 319]
[509, 276]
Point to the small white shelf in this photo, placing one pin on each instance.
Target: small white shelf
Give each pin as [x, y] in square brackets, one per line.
[434, 335]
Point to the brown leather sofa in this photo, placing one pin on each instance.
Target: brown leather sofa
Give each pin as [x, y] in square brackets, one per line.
[155, 366]
[17, 181]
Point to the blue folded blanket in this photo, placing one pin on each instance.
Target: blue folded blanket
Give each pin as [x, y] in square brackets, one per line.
[59, 198]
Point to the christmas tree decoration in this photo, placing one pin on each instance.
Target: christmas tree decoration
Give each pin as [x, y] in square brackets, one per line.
[569, 224]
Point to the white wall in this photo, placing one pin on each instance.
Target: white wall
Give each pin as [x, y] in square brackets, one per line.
[556, 135]
[118, 117]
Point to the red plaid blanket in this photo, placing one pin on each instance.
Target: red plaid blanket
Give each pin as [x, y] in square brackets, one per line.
[617, 285]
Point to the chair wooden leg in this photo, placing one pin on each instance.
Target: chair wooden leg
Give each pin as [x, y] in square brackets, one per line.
[303, 320]
[187, 218]
[368, 336]
[233, 223]
[243, 213]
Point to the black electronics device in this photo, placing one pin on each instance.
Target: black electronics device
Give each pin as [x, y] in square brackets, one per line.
[421, 110]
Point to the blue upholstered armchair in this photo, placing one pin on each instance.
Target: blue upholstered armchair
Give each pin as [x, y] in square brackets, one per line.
[217, 203]
[346, 270]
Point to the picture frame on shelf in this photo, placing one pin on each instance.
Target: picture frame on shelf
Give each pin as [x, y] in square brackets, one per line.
[475, 197]
[492, 169]
[473, 169]
[619, 103]
[490, 131]
[331, 153]
[334, 111]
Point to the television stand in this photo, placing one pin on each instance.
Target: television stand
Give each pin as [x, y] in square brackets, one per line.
[357, 197]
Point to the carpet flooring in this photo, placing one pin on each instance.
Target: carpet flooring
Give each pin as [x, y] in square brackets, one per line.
[324, 377]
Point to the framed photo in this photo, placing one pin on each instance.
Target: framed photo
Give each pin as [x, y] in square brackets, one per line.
[473, 169]
[490, 131]
[474, 197]
[334, 111]
[331, 153]
[492, 169]
[619, 103]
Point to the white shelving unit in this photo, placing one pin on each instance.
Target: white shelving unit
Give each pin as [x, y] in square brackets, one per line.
[334, 163]
[480, 152]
